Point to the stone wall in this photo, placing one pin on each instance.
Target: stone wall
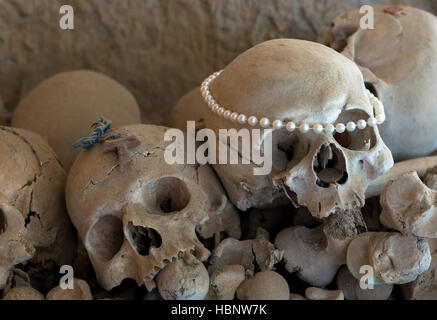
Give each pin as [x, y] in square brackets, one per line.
[158, 49]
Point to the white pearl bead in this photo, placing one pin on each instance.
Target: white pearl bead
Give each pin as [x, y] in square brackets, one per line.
[227, 114]
[277, 124]
[329, 128]
[220, 111]
[351, 126]
[304, 127]
[264, 122]
[234, 116]
[211, 103]
[361, 124]
[252, 121]
[215, 107]
[291, 126]
[242, 118]
[318, 128]
[372, 122]
[380, 118]
[340, 128]
[209, 98]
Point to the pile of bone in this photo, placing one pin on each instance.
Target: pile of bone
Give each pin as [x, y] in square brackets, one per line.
[334, 219]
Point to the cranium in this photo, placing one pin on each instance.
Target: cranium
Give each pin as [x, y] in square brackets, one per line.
[304, 82]
[33, 221]
[398, 60]
[134, 223]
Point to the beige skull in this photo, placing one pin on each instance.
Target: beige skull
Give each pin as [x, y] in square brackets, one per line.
[33, 220]
[134, 223]
[398, 60]
[305, 82]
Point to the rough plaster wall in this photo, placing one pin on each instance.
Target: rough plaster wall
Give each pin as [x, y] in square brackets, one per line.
[159, 49]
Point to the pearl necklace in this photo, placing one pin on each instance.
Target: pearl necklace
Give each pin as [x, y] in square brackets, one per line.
[264, 122]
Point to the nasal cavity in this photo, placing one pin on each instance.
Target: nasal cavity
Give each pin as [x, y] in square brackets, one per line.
[330, 166]
[143, 238]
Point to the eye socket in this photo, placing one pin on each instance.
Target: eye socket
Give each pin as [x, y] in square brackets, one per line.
[289, 148]
[168, 194]
[358, 140]
[2, 221]
[143, 239]
[106, 237]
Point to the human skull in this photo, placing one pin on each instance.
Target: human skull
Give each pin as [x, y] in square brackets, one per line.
[300, 81]
[398, 61]
[134, 223]
[33, 221]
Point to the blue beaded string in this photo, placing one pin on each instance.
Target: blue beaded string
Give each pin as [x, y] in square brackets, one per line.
[97, 135]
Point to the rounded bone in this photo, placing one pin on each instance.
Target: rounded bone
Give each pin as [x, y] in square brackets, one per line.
[323, 172]
[317, 254]
[352, 291]
[183, 280]
[224, 282]
[80, 291]
[420, 165]
[313, 293]
[395, 258]
[246, 253]
[33, 220]
[409, 206]
[266, 285]
[63, 107]
[425, 286]
[23, 293]
[398, 60]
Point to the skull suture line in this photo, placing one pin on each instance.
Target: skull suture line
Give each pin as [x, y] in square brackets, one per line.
[398, 59]
[304, 82]
[134, 223]
[33, 221]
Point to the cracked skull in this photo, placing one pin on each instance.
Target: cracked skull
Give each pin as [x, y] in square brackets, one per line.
[304, 82]
[34, 224]
[398, 61]
[134, 223]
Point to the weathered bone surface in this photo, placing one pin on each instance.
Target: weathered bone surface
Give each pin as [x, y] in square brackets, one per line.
[409, 206]
[246, 253]
[317, 254]
[398, 60]
[420, 165]
[183, 279]
[314, 293]
[301, 162]
[265, 285]
[23, 293]
[63, 107]
[80, 291]
[395, 259]
[135, 223]
[33, 220]
[224, 282]
[18, 287]
[223, 218]
[425, 286]
[352, 291]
